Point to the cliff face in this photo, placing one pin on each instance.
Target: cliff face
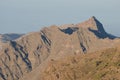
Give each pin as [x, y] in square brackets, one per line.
[23, 56]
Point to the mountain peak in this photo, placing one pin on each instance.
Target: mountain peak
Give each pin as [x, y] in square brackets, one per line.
[90, 23]
[96, 27]
[93, 18]
[96, 24]
[93, 21]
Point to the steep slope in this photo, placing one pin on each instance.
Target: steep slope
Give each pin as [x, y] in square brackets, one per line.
[33, 51]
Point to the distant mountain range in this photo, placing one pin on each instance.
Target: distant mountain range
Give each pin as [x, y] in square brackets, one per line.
[9, 37]
[83, 51]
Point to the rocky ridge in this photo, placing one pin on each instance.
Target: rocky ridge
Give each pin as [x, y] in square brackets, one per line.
[25, 55]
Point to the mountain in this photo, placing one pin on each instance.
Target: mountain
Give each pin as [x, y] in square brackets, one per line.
[8, 37]
[49, 53]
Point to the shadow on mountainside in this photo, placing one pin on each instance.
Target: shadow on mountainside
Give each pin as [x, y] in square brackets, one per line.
[69, 30]
[102, 35]
[23, 54]
[100, 32]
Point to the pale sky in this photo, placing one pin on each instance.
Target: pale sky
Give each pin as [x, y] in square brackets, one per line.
[23, 16]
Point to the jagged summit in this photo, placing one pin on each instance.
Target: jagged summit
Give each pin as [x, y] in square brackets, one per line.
[98, 24]
[92, 23]
[93, 18]
[95, 26]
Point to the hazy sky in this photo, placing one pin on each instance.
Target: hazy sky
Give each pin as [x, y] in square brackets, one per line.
[21, 16]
